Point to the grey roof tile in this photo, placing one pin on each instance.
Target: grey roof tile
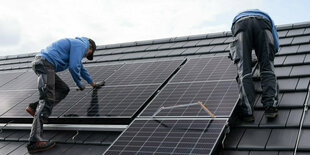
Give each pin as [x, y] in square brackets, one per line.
[63, 136]
[295, 99]
[204, 42]
[59, 149]
[86, 149]
[294, 59]
[304, 143]
[284, 27]
[264, 152]
[307, 119]
[300, 70]
[141, 48]
[302, 39]
[17, 135]
[133, 55]
[295, 32]
[165, 46]
[218, 41]
[127, 49]
[128, 44]
[279, 60]
[301, 24]
[178, 44]
[220, 48]
[294, 118]
[285, 41]
[111, 57]
[199, 36]
[5, 133]
[11, 146]
[282, 139]
[205, 49]
[150, 54]
[113, 46]
[232, 141]
[288, 49]
[144, 42]
[96, 138]
[282, 34]
[307, 31]
[229, 40]
[190, 50]
[20, 150]
[80, 137]
[176, 52]
[260, 136]
[163, 53]
[286, 153]
[191, 43]
[230, 152]
[288, 84]
[164, 40]
[283, 71]
[154, 47]
[216, 35]
[303, 83]
[307, 58]
[279, 121]
[182, 38]
[304, 48]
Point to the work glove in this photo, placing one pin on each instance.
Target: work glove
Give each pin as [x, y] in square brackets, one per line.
[81, 87]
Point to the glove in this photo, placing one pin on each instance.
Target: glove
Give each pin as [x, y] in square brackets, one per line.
[81, 87]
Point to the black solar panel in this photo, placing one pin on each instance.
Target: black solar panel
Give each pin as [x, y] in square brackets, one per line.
[10, 98]
[6, 77]
[98, 73]
[218, 97]
[27, 80]
[168, 137]
[206, 69]
[113, 101]
[143, 73]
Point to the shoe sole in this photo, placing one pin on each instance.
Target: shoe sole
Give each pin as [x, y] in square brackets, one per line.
[36, 151]
[274, 115]
[30, 111]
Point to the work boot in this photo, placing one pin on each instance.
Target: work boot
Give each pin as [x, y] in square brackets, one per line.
[31, 109]
[40, 146]
[247, 118]
[271, 112]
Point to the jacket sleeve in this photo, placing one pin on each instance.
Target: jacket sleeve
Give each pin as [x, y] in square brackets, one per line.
[76, 55]
[85, 75]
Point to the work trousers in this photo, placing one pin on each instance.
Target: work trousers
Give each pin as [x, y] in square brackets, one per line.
[52, 90]
[254, 32]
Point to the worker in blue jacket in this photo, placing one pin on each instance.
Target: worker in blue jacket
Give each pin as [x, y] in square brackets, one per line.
[254, 29]
[60, 55]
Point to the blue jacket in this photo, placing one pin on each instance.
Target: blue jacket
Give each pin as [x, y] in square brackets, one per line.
[68, 53]
[256, 12]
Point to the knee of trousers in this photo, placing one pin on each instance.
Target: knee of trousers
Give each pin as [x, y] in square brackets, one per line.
[42, 85]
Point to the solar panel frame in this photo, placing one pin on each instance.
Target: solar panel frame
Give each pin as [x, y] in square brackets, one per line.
[169, 136]
[219, 97]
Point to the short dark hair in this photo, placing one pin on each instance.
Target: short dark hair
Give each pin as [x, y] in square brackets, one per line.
[93, 44]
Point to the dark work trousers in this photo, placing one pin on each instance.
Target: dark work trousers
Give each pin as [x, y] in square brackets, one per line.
[52, 90]
[254, 32]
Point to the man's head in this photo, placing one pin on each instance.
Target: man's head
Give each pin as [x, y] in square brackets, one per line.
[91, 49]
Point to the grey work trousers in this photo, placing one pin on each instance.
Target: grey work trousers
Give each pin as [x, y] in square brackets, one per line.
[52, 90]
[254, 33]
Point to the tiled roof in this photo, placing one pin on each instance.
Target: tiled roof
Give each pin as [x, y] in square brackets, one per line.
[279, 136]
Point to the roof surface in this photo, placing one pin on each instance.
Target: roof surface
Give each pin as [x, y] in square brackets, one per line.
[125, 68]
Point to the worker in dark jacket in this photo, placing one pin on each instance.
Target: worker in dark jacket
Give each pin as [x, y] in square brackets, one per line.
[60, 55]
[254, 29]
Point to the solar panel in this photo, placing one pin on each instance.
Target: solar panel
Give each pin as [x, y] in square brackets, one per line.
[113, 101]
[6, 77]
[219, 97]
[28, 80]
[10, 98]
[98, 73]
[72, 98]
[144, 73]
[206, 69]
[171, 136]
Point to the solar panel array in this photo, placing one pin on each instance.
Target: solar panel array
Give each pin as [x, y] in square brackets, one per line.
[182, 129]
[171, 136]
[135, 84]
